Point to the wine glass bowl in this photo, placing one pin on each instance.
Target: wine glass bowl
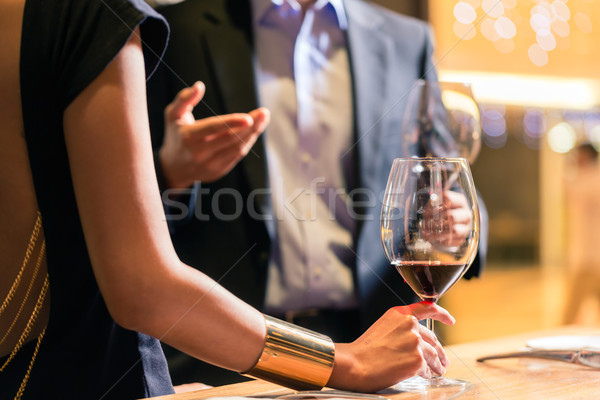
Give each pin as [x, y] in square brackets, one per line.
[441, 118]
[430, 228]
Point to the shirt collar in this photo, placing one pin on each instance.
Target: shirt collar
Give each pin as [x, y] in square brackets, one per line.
[260, 8]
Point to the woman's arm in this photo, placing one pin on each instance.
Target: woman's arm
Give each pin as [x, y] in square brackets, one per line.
[145, 286]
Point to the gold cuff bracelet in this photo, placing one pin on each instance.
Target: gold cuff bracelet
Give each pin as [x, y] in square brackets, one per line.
[294, 357]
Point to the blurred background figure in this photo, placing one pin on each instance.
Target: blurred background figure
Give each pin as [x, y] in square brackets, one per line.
[583, 236]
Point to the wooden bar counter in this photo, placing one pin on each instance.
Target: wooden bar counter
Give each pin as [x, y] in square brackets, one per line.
[514, 378]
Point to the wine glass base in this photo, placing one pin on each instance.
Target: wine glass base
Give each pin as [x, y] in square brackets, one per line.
[417, 383]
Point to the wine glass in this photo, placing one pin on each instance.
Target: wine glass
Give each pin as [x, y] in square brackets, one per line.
[441, 119]
[430, 231]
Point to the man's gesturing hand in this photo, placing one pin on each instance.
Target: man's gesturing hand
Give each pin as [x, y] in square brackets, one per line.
[205, 149]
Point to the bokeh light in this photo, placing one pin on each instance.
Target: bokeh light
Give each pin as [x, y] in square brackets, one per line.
[464, 12]
[493, 8]
[562, 138]
[543, 9]
[540, 23]
[590, 123]
[537, 55]
[534, 123]
[503, 21]
[594, 136]
[464, 31]
[505, 28]
[561, 28]
[493, 124]
[546, 42]
[575, 118]
[488, 29]
[561, 10]
[583, 22]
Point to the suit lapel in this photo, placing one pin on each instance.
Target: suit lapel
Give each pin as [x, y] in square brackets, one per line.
[369, 57]
[230, 49]
[229, 45]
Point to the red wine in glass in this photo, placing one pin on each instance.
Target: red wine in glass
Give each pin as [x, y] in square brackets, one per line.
[430, 280]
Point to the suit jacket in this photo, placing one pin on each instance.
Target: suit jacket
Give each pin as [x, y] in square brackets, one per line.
[212, 41]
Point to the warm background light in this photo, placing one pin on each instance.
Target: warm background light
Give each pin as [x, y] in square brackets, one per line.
[529, 90]
[556, 38]
[534, 69]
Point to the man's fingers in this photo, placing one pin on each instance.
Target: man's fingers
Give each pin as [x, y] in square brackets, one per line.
[456, 200]
[238, 124]
[209, 147]
[229, 123]
[185, 101]
[261, 117]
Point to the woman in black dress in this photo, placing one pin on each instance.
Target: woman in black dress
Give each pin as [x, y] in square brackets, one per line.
[88, 276]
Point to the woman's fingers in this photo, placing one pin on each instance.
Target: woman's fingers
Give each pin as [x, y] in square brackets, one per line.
[262, 117]
[394, 348]
[425, 310]
[435, 355]
[430, 338]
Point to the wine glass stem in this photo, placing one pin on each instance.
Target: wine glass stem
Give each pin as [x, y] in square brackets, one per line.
[429, 324]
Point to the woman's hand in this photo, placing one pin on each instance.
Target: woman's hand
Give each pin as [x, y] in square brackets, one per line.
[394, 348]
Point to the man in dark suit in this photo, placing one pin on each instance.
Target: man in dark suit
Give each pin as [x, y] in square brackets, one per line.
[335, 75]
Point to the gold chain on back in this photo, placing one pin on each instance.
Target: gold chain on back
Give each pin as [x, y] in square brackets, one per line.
[30, 247]
[36, 310]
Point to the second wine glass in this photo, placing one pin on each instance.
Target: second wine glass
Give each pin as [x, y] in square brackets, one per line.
[430, 231]
[441, 119]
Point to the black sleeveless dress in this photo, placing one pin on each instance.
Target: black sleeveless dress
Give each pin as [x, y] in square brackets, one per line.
[84, 355]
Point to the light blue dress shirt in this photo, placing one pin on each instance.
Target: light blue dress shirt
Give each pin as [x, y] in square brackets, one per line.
[303, 74]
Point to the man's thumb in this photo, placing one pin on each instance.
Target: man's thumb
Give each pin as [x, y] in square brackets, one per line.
[185, 101]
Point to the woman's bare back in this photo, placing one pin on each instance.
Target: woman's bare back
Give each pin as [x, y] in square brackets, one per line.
[18, 207]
